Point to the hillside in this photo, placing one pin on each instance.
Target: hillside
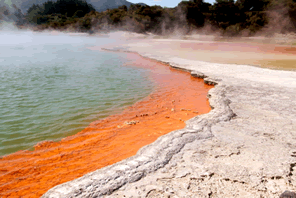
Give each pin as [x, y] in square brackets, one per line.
[11, 13]
[102, 5]
[99, 5]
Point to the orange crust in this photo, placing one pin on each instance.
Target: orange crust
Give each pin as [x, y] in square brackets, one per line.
[178, 97]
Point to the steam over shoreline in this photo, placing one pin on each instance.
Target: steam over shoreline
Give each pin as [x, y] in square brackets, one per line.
[223, 18]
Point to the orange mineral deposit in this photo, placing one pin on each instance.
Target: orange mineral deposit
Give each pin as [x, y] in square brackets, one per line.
[177, 98]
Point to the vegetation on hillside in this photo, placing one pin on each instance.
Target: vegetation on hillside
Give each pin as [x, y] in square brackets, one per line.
[229, 17]
[57, 13]
[12, 13]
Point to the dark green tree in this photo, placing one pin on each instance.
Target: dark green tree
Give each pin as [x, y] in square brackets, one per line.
[203, 6]
[68, 8]
[252, 5]
[33, 13]
[225, 13]
[193, 13]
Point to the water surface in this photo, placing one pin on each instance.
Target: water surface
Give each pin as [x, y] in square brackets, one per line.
[53, 86]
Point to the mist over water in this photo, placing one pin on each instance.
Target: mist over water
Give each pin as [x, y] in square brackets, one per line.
[53, 86]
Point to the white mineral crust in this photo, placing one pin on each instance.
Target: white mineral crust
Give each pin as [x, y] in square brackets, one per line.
[245, 147]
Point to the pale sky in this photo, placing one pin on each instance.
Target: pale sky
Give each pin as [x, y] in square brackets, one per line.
[167, 3]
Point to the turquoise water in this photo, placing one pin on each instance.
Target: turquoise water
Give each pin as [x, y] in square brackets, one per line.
[53, 86]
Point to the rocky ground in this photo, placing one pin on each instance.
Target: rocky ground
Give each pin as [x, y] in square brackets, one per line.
[245, 147]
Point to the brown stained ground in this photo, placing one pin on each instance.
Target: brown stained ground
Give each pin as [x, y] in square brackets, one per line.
[178, 97]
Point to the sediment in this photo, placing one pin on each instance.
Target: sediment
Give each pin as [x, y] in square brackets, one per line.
[244, 147]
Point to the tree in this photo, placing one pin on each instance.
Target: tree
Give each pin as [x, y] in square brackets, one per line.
[252, 5]
[204, 7]
[193, 13]
[225, 13]
[198, 1]
[33, 13]
[68, 8]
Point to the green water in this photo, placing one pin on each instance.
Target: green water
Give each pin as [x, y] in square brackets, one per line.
[54, 86]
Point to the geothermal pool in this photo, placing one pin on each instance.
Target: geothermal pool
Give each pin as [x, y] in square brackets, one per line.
[53, 86]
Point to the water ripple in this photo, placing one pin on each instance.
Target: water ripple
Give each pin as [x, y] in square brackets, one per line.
[49, 91]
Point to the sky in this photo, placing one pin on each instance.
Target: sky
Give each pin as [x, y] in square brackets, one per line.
[167, 3]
